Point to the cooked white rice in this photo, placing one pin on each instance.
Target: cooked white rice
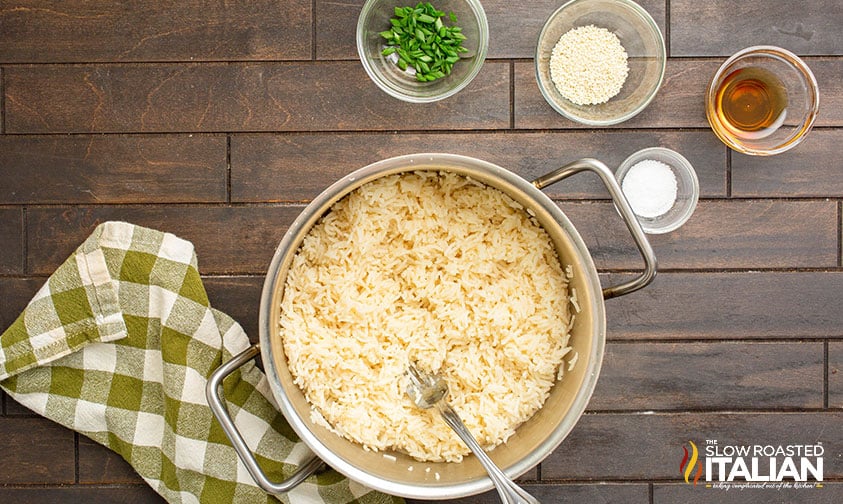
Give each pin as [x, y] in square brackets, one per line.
[436, 269]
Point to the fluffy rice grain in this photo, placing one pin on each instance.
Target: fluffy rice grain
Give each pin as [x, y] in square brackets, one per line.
[435, 269]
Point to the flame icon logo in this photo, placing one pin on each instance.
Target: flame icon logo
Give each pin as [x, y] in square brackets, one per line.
[686, 467]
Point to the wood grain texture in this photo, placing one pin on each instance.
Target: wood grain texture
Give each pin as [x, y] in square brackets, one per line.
[268, 168]
[720, 234]
[236, 97]
[14, 408]
[226, 239]
[710, 376]
[265, 97]
[116, 494]
[830, 493]
[16, 294]
[35, 450]
[828, 72]
[11, 235]
[835, 374]
[731, 26]
[239, 298]
[731, 306]
[335, 36]
[40, 31]
[649, 446]
[810, 169]
[510, 39]
[112, 169]
[99, 465]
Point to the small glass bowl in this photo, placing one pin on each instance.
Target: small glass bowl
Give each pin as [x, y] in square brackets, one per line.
[687, 192]
[800, 87]
[641, 38]
[374, 18]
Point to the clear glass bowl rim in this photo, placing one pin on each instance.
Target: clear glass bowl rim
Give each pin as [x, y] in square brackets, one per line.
[382, 83]
[799, 65]
[632, 113]
[682, 165]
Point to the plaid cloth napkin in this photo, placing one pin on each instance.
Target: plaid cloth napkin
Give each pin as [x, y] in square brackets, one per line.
[118, 345]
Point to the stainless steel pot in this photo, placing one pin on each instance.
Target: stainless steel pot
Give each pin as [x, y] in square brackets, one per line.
[399, 474]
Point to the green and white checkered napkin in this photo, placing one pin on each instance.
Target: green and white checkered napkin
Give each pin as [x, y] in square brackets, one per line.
[118, 345]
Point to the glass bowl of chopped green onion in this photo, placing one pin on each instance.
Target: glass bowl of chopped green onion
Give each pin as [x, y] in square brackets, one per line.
[422, 52]
[600, 62]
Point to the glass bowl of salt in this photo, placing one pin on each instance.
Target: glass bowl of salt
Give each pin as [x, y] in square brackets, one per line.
[661, 187]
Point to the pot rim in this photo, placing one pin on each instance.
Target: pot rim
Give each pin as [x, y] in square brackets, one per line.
[506, 181]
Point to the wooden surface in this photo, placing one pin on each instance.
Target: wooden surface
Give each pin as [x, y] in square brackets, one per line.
[218, 121]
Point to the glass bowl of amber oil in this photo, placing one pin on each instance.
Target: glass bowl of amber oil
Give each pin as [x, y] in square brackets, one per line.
[762, 101]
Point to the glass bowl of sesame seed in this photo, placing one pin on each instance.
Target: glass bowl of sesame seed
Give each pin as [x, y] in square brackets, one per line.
[422, 51]
[600, 62]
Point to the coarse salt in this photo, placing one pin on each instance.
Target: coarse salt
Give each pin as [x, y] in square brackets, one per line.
[650, 186]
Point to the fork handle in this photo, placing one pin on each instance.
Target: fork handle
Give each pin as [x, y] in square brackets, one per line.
[509, 492]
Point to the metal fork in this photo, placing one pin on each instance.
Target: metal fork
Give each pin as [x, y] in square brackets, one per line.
[428, 391]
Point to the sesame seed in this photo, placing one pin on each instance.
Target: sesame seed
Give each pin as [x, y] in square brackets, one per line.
[588, 65]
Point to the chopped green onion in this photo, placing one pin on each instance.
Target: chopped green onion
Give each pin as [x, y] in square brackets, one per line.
[422, 41]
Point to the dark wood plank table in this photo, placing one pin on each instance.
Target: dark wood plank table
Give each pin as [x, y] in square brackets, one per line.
[218, 121]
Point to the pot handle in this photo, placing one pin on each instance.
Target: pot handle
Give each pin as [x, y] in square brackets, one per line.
[213, 392]
[641, 241]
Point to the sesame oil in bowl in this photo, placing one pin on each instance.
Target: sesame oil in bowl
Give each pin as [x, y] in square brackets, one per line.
[762, 101]
[751, 103]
